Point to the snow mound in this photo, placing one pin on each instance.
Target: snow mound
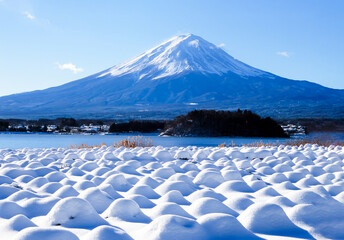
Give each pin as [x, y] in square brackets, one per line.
[38, 233]
[175, 197]
[205, 193]
[8, 209]
[142, 201]
[147, 180]
[169, 227]
[39, 206]
[107, 232]
[165, 172]
[267, 218]
[207, 205]
[231, 175]
[118, 182]
[184, 188]
[238, 203]
[209, 178]
[75, 213]
[17, 223]
[126, 210]
[224, 226]
[323, 221]
[169, 208]
[66, 191]
[163, 155]
[229, 187]
[144, 190]
[98, 199]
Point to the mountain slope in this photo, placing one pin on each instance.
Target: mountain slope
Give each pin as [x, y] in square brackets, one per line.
[184, 53]
[181, 74]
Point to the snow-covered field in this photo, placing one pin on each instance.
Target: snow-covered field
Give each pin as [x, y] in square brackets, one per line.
[172, 193]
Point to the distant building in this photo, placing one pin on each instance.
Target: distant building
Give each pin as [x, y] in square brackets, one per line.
[90, 128]
[294, 130]
[51, 128]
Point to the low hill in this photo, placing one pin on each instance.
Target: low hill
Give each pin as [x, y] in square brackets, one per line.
[211, 123]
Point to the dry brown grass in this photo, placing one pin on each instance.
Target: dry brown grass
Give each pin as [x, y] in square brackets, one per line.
[255, 144]
[129, 142]
[261, 144]
[321, 141]
[83, 146]
[232, 144]
[133, 142]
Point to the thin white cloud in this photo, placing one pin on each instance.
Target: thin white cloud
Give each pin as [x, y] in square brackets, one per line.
[69, 66]
[221, 45]
[29, 15]
[283, 54]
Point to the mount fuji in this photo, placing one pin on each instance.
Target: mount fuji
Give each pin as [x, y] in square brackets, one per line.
[179, 75]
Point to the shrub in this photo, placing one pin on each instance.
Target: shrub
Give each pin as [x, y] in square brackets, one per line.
[129, 142]
[133, 142]
[4, 125]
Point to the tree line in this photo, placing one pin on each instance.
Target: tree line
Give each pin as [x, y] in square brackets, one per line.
[195, 123]
[223, 123]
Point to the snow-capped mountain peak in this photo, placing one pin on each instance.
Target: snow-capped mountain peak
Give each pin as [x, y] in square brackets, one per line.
[183, 53]
[181, 74]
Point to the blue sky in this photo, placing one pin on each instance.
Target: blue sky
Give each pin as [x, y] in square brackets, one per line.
[48, 43]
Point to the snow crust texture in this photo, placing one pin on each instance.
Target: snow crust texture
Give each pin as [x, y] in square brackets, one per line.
[172, 193]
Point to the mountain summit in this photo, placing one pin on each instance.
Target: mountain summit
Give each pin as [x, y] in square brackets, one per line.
[183, 54]
[179, 75]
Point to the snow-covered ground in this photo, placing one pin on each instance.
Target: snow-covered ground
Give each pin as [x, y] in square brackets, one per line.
[172, 193]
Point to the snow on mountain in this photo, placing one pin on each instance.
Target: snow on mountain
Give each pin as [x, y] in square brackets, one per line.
[180, 54]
